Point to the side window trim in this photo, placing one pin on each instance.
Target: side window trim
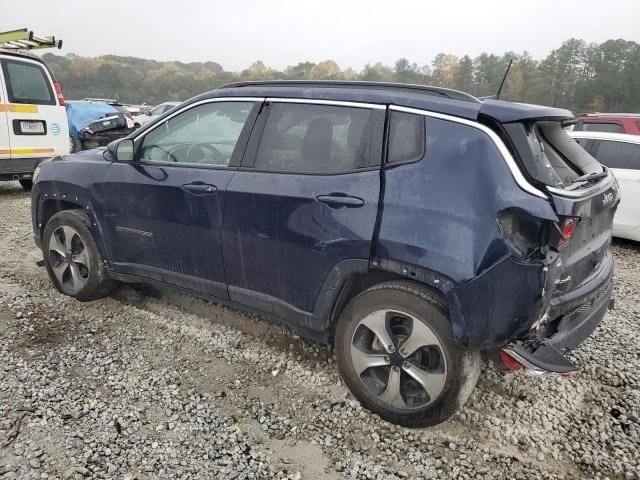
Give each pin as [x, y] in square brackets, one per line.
[238, 150]
[251, 150]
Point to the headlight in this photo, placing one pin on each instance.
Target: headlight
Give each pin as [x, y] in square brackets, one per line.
[36, 172]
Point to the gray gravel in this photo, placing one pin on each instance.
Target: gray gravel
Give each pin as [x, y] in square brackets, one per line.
[150, 384]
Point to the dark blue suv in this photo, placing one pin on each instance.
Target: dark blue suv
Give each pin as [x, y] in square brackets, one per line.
[413, 227]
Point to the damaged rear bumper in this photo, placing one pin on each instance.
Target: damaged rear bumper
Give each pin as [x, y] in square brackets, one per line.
[582, 310]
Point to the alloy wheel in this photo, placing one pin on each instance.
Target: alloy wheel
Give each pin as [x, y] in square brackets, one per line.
[69, 259]
[399, 359]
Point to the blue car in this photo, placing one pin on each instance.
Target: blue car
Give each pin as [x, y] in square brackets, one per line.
[413, 227]
[95, 124]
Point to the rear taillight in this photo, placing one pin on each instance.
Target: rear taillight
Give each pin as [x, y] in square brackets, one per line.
[567, 230]
[523, 234]
[59, 94]
[509, 362]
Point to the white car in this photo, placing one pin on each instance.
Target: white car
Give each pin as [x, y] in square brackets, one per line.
[142, 119]
[33, 119]
[621, 153]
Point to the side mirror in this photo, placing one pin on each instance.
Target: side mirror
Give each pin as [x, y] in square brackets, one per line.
[124, 150]
[148, 113]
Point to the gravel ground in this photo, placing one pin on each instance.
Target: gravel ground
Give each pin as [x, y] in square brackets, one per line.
[150, 384]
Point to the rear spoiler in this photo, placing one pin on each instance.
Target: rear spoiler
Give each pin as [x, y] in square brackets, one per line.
[507, 112]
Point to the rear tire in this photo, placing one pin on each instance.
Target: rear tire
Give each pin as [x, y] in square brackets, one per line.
[27, 184]
[74, 262]
[409, 371]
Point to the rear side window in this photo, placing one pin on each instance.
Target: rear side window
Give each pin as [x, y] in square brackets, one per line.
[618, 154]
[27, 83]
[612, 127]
[306, 138]
[406, 137]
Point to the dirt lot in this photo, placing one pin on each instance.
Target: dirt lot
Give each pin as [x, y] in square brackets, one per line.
[148, 384]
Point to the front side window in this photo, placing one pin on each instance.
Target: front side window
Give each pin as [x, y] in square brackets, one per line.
[305, 138]
[618, 154]
[612, 127]
[406, 137]
[27, 83]
[203, 135]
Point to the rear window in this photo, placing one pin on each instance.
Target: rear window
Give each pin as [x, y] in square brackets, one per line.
[612, 127]
[27, 83]
[549, 155]
[618, 154]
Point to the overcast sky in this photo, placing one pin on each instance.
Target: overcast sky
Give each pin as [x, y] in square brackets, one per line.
[352, 32]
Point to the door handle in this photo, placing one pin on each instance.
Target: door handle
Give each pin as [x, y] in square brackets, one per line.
[340, 200]
[200, 188]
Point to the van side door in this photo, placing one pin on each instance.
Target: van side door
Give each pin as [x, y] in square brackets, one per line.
[303, 203]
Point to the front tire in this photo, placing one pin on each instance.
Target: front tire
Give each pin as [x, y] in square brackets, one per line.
[74, 262]
[395, 350]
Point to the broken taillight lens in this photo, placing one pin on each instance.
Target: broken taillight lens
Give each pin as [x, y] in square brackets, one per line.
[508, 361]
[59, 94]
[523, 234]
[567, 230]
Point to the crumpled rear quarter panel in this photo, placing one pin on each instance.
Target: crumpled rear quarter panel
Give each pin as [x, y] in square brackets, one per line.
[440, 214]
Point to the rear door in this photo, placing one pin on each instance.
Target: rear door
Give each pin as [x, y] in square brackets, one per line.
[37, 123]
[305, 199]
[624, 160]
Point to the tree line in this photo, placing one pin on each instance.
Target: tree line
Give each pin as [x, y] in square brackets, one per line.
[581, 76]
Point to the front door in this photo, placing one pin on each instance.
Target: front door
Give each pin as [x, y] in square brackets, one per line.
[305, 199]
[164, 210]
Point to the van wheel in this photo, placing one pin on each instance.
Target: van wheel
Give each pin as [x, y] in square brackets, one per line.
[395, 350]
[27, 184]
[73, 261]
[74, 145]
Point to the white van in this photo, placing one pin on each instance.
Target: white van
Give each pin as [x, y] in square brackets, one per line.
[33, 120]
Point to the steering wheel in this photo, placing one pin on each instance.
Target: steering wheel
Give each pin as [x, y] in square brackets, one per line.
[217, 154]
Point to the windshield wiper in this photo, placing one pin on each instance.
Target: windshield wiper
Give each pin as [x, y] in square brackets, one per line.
[586, 178]
[591, 176]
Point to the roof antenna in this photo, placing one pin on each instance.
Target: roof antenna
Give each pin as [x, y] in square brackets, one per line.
[503, 79]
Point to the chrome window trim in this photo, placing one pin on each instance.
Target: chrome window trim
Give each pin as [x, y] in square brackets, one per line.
[517, 175]
[336, 103]
[197, 104]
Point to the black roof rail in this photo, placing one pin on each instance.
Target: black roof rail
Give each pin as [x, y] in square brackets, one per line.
[440, 91]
